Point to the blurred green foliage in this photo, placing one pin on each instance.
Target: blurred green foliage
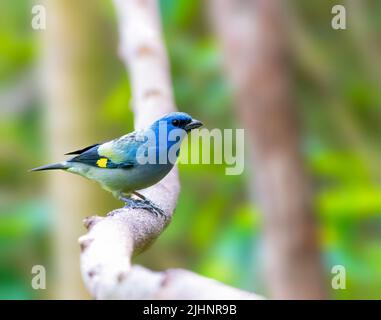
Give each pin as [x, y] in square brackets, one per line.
[217, 229]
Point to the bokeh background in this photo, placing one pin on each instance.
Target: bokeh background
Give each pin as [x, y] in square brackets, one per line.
[217, 229]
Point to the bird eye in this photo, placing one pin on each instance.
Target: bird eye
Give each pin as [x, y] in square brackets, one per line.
[175, 122]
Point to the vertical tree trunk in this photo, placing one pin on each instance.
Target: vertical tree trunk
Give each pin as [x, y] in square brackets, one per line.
[255, 46]
[71, 78]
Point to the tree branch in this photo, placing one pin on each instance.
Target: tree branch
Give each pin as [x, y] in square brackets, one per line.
[111, 241]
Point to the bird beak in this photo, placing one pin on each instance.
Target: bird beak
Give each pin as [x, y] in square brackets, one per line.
[193, 125]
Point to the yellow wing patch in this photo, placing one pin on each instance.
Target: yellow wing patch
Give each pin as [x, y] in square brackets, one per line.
[102, 162]
[106, 150]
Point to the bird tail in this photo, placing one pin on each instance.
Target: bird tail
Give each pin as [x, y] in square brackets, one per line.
[54, 166]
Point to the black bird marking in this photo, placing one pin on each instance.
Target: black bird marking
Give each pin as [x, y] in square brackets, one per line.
[91, 157]
[82, 150]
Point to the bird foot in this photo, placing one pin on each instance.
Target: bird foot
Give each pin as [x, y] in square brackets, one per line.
[143, 204]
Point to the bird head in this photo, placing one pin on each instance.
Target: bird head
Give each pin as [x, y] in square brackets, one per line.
[173, 128]
[178, 120]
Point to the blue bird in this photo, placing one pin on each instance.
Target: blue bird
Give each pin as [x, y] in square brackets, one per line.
[134, 161]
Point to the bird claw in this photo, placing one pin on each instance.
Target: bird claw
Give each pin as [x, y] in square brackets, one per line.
[144, 204]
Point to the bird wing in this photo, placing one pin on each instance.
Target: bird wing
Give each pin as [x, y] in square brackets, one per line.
[80, 151]
[117, 153]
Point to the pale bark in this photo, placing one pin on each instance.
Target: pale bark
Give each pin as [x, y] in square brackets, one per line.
[252, 33]
[111, 241]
